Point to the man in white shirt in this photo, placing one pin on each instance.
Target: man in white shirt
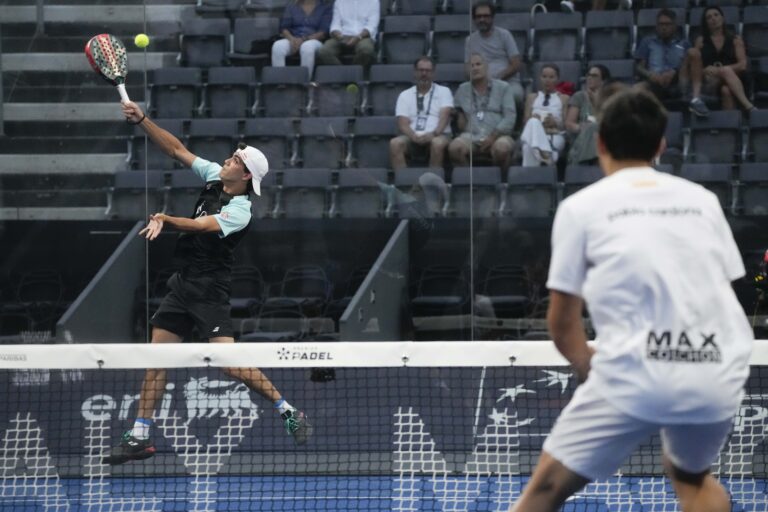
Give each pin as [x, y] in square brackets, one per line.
[423, 118]
[353, 28]
[653, 257]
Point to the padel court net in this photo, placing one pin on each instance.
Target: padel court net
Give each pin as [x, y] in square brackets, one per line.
[398, 426]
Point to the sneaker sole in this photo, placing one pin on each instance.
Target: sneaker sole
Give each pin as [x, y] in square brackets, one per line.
[116, 460]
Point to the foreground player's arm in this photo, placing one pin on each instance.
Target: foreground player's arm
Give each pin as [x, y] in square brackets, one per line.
[167, 142]
[205, 224]
[567, 330]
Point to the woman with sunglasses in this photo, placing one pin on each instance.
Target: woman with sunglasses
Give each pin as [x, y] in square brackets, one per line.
[580, 118]
[543, 137]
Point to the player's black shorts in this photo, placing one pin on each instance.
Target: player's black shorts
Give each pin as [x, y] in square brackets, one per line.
[199, 301]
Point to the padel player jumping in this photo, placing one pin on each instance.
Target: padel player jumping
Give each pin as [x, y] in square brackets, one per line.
[200, 291]
[653, 257]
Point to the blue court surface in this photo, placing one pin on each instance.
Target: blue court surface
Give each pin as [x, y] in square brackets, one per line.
[375, 493]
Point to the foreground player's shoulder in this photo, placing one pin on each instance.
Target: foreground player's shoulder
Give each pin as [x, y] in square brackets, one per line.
[694, 192]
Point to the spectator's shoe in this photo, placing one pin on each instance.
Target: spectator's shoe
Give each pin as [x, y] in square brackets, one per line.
[625, 5]
[129, 448]
[297, 424]
[567, 6]
[698, 108]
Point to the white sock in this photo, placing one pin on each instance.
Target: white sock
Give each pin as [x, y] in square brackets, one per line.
[282, 406]
[141, 428]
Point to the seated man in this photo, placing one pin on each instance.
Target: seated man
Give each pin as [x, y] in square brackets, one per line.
[423, 117]
[353, 28]
[486, 114]
[661, 58]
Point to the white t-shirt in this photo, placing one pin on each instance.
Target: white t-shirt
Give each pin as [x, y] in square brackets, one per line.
[407, 106]
[653, 257]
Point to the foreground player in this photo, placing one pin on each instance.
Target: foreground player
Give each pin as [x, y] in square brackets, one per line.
[199, 291]
[653, 257]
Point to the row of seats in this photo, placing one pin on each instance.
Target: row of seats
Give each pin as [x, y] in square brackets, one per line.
[334, 142]
[606, 35]
[419, 192]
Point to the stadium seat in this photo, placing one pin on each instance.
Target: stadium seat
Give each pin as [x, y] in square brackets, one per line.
[556, 36]
[646, 22]
[229, 91]
[519, 25]
[272, 136]
[275, 321]
[622, 70]
[174, 92]
[753, 189]
[305, 193]
[580, 176]
[333, 95]
[135, 195]
[755, 31]
[674, 135]
[714, 177]
[405, 38]
[530, 192]
[522, 6]
[323, 141]
[306, 286]
[731, 13]
[757, 142]
[204, 41]
[359, 193]
[449, 37]
[507, 289]
[247, 292]
[145, 154]
[570, 71]
[184, 191]
[440, 290]
[451, 75]
[283, 91]
[213, 139]
[419, 192]
[385, 85]
[715, 139]
[265, 204]
[459, 6]
[761, 82]
[370, 142]
[475, 192]
[252, 40]
[672, 4]
[219, 7]
[414, 7]
[608, 34]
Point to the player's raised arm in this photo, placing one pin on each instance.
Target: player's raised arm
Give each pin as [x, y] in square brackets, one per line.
[167, 142]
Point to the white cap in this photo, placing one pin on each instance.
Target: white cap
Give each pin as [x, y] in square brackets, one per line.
[256, 163]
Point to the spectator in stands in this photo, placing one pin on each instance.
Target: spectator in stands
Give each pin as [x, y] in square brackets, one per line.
[580, 120]
[497, 46]
[718, 61]
[304, 26]
[423, 118]
[661, 58]
[486, 114]
[543, 137]
[353, 28]
[597, 5]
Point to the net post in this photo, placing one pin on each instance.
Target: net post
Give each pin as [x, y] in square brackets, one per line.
[40, 27]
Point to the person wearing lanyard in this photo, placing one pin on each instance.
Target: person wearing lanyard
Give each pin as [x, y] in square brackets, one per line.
[486, 114]
[423, 118]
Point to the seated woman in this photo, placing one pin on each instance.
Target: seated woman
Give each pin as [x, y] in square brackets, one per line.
[580, 119]
[718, 60]
[304, 26]
[543, 136]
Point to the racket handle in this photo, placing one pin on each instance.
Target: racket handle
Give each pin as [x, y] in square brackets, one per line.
[123, 93]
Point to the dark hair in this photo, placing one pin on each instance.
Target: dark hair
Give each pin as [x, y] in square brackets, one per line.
[632, 124]
[426, 58]
[551, 65]
[705, 33]
[669, 13]
[483, 3]
[605, 73]
[241, 146]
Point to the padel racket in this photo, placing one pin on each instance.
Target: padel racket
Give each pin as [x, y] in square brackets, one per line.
[108, 58]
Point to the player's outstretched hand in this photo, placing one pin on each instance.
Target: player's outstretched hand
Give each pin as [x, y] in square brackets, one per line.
[132, 112]
[154, 227]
